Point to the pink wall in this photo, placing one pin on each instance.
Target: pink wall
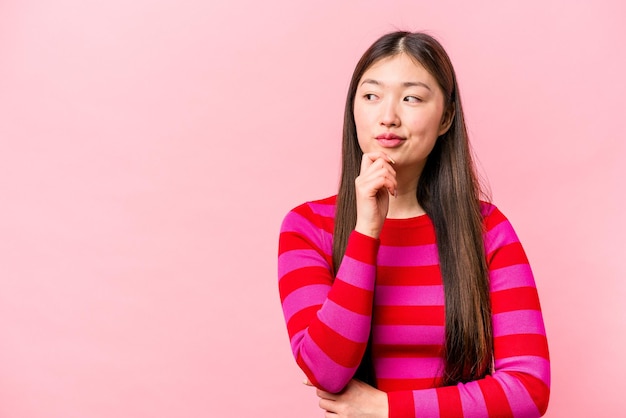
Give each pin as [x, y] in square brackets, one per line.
[149, 150]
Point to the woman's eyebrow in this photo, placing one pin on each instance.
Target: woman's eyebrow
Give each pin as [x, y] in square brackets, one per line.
[405, 84]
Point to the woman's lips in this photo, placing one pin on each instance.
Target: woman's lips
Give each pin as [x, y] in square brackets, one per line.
[389, 140]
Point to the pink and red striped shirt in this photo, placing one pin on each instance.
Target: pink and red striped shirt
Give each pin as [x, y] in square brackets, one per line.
[392, 286]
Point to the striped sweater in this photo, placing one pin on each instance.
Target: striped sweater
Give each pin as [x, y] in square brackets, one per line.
[392, 286]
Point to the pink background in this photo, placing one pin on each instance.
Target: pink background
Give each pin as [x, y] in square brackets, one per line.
[149, 150]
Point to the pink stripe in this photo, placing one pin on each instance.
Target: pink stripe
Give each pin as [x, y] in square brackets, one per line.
[409, 368]
[500, 235]
[409, 295]
[296, 223]
[354, 326]
[535, 366]
[296, 259]
[422, 255]
[521, 402]
[518, 322]
[332, 376]
[472, 400]
[304, 297]
[357, 273]
[325, 210]
[518, 275]
[426, 403]
[409, 334]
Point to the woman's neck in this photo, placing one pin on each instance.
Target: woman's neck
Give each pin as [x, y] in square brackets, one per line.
[405, 204]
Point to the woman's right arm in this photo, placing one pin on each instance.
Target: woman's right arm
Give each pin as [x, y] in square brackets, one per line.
[328, 318]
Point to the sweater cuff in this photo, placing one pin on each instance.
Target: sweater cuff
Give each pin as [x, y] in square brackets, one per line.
[401, 404]
[362, 248]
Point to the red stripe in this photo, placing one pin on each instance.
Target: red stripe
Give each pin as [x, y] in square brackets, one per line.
[449, 399]
[538, 390]
[302, 277]
[362, 248]
[495, 398]
[519, 298]
[401, 404]
[494, 218]
[507, 255]
[319, 221]
[407, 350]
[352, 298]
[301, 319]
[426, 236]
[521, 345]
[341, 350]
[391, 385]
[409, 315]
[408, 276]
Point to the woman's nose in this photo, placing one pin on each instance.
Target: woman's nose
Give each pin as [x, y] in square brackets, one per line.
[389, 115]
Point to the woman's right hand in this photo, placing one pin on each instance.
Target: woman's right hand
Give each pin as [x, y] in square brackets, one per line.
[376, 181]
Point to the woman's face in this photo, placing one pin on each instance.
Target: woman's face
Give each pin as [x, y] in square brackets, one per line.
[398, 109]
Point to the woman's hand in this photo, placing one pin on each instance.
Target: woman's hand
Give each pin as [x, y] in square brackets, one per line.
[376, 181]
[357, 400]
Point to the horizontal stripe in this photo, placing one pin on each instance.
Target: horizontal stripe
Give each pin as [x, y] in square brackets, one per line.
[519, 275]
[362, 247]
[519, 298]
[329, 374]
[409, 315]
[393, 385]
[518, 322]
[520, 401]
[300, 320]
[353, 298]
[303, 277]
[357, 273]
[472, 400]
[521, 345]
[408, 368]
[341, 350]
[538, 391]
[499, 235]
[426, 403]
[537, 367]
[297, 259]
[409, 334]
[450, 403]
[350, 325]
[303, 298]
[507, 255]
[407, 350]
[409, 295]
[400, 402]
[425, 255]
[296, 223]
[408, 276]
[498, 405]
[323, 209]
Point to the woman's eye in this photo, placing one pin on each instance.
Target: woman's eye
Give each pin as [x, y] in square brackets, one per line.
[412, 99]
[370, 96]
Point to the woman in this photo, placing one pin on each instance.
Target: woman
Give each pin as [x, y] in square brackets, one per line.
[405, 295]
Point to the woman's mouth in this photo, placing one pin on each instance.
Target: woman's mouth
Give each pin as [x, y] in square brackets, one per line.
[389, 140]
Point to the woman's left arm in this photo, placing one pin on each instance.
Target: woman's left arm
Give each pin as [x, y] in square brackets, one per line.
[520, 383]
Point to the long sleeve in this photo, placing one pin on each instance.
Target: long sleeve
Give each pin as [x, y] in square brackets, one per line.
[520, 383]
[328, 318]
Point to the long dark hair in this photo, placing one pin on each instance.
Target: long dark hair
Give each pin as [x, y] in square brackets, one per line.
[449, 192]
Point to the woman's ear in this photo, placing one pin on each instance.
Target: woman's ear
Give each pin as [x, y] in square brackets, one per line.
[446, 120]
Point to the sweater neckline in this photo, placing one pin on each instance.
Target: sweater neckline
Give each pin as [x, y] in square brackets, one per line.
[421, 220]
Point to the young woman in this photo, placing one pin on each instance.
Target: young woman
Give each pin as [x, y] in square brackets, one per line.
[406, 295]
